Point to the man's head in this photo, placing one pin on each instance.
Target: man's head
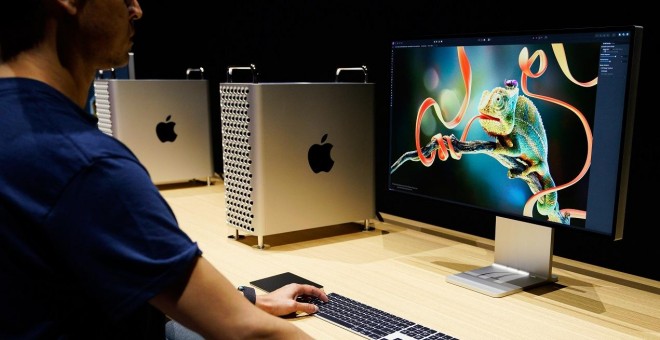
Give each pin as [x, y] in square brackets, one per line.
[99, 31]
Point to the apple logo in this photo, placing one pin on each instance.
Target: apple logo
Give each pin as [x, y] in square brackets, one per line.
[165, 130]
[319, 156]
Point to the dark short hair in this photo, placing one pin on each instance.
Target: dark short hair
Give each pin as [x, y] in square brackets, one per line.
[22, 25]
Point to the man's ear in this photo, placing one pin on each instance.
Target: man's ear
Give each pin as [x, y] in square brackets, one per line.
[68, 5]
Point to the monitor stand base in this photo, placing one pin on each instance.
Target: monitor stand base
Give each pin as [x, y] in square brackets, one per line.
[498, 281]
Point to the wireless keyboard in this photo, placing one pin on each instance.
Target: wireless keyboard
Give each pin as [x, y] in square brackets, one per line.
[370, 322]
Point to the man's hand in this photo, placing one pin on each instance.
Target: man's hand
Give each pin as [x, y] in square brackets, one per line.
[283, 300]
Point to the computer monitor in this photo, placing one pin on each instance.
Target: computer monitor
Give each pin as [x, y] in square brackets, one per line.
[534, 128]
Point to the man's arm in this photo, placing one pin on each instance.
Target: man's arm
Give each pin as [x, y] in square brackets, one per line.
[211, 306]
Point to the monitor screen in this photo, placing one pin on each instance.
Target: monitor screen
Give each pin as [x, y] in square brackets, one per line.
[530, 126]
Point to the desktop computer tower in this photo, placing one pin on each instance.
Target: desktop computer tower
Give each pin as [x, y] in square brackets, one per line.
[166, 123]
[297, 155]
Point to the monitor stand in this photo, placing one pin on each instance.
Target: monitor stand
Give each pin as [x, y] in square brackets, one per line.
[523, 259]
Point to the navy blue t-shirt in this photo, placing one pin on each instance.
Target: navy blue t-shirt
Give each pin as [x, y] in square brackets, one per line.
[86, 239]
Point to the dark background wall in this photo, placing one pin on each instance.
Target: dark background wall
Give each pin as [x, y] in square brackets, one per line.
[299, 40]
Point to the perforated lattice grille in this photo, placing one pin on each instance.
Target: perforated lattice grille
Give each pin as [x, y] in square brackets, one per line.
[102, 107]
[236, 155]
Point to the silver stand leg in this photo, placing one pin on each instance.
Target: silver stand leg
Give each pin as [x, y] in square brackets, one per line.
[368, 225]
[235, 236]
[260, 243]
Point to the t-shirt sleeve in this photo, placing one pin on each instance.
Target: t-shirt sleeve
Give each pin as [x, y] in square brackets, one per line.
[118, 237]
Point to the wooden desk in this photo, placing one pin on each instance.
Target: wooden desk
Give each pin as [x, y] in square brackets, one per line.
[402, 270]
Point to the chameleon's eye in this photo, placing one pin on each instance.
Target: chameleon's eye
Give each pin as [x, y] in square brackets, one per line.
[498, 101]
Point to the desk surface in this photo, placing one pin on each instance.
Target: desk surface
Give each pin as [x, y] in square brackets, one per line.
[402, 270]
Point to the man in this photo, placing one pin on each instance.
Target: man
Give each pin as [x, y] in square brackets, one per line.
[88, 246]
